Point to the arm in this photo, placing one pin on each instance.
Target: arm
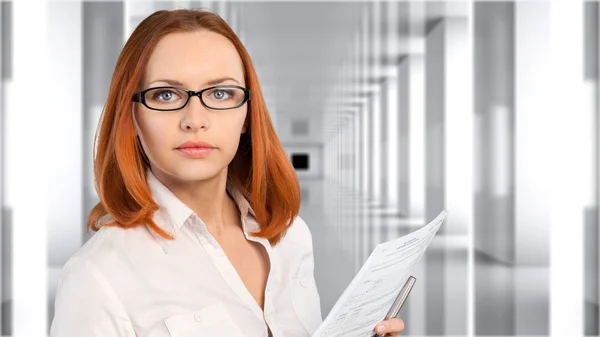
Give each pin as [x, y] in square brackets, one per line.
[86, 304]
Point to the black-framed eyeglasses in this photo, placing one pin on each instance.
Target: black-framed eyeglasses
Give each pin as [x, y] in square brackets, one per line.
[220, 97]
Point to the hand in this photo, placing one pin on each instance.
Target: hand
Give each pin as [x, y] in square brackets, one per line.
[391, 327]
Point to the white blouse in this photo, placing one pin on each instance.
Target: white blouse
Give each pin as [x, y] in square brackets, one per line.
[136, 283]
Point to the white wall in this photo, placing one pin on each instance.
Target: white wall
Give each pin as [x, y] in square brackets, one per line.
[309, 143]
[315, 153]
[284, 127]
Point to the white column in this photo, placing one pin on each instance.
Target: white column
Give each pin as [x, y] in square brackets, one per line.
[234, 18]
[411, 124]
[591, 262]
[494, 91]
[458, 125]
[416, 135]
[450, 157]
[403, 134]
[205, 4]
[376, 105]
[220, 8]
[357, 200]
[570, 154]
[494, 141]
[365, 127]
[65, 178]
[392, 109]
[355, 87]
[416, 109]
[134, 13]
[185, 4]
[458, 160]
[531, 134]
[3, 246]
[597, 150]
[391, 150]
[412, 92]
[100, 48]
[66, 221]
[434, 150]
[376, 145]
[27, 157]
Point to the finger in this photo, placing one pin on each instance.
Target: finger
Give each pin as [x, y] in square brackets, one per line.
[390, 326]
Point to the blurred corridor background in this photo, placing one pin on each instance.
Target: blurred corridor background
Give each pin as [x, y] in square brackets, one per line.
[390, 111]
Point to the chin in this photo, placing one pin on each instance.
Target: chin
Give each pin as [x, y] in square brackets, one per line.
[195, 172]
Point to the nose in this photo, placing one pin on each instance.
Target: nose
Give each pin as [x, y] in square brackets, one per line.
[196, 116]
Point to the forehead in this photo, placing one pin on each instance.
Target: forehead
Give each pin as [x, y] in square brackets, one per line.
[194, 58]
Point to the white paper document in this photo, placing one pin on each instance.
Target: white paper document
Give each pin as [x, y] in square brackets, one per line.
[367, 299]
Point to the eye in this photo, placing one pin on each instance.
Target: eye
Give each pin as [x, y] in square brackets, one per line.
[165, 95]
[223, 97]
[221, 94]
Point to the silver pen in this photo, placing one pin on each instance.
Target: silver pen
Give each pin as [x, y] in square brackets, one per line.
[400, 299]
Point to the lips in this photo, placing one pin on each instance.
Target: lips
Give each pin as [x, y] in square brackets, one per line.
[196, 145]
[195, 150]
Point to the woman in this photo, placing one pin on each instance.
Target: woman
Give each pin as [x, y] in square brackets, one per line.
[197, 226]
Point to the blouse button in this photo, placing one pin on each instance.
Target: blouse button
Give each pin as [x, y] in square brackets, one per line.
[198, 317]
[305, 282]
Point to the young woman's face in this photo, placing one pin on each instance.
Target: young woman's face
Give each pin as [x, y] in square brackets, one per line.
[193, 61]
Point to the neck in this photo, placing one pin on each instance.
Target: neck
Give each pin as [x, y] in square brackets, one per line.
[207, 198]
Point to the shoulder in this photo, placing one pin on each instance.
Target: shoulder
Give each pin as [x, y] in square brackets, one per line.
[101, 266]
[105, 241]
[109, 249]
[298, 234]
[82, 279]
[81, 267]
[85, 289]
[106, 238]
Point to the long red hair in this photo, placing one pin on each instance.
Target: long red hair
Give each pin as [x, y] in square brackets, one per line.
[260, 170]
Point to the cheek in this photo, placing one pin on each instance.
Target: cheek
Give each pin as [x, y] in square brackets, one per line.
[234, 130]
[154, 133]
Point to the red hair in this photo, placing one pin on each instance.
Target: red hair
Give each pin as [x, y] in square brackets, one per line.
[260, 170]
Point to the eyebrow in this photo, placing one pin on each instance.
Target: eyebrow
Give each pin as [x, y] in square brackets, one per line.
[211, 82]
[221, 80]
